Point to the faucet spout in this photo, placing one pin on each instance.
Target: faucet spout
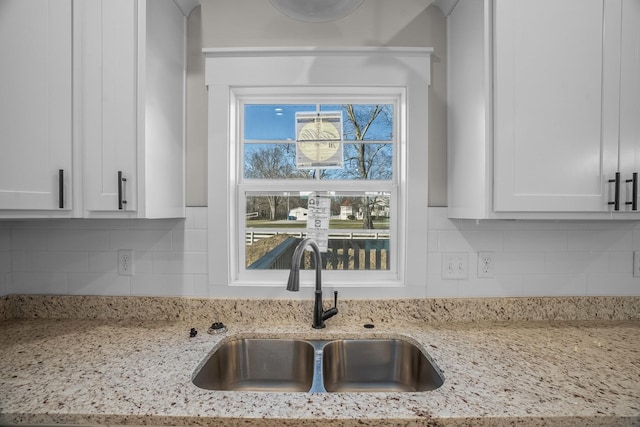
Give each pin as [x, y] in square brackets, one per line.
[293, 284]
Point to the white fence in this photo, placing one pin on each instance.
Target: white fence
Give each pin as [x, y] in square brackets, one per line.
[255, 235]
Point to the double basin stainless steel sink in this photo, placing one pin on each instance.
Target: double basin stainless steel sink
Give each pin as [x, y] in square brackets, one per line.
[318, 366]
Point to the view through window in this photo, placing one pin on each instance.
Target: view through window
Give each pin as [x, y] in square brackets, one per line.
[346, 151]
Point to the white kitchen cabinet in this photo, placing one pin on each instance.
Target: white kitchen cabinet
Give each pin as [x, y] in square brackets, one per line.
[544, 107]
[629, 137]
[35, 108]
[131, 85]
[92, 89]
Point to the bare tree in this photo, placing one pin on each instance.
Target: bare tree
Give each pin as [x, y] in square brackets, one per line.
[272, 162]
[370, 160]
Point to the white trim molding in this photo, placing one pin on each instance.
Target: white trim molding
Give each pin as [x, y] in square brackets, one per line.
[406, 69]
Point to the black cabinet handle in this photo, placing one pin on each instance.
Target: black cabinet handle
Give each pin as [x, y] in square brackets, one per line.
[616, 202]
[121, 181]
[634, 194]
[61, 188]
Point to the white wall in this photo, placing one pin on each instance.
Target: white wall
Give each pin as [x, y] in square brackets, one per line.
[532, 258]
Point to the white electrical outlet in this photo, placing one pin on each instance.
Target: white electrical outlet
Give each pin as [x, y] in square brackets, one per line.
[636, 264]
[125, 262]
[486, 264]
[455, 265]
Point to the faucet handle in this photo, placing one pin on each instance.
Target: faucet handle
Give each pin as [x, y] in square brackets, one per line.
[335, 299]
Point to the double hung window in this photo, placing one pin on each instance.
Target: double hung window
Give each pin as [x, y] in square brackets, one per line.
[345, 129]
[337, 144]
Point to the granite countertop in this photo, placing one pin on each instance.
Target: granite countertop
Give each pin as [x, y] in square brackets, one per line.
[138, 372]
[124, 372]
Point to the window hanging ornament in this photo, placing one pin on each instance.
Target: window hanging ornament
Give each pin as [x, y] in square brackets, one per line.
[319, 140]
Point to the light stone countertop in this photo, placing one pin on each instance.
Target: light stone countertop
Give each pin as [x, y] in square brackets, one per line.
[138, 372]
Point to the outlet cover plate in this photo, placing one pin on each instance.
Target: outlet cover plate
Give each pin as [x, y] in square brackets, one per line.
[455, 266]
[636, 264]
[125, 262]
[486, 264]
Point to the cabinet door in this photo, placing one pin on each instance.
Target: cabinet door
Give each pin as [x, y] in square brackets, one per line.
[108, 37]
[35, 106]
[629, 99]
[556, 85]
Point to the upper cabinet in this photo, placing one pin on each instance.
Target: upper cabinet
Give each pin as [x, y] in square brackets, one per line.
[97, 88]
[36, 107]
[132, 78]
[544, 107]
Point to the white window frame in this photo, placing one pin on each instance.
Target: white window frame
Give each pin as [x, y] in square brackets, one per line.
[399, 73]
[320, 95]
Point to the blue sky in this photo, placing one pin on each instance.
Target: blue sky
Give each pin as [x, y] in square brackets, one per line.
[277, 122]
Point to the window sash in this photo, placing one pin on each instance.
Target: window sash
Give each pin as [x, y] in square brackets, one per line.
[391, 277]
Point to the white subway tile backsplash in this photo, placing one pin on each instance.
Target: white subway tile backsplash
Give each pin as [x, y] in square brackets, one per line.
[517, 263]
[197, 218]
[57, 261]
[556, 225]
[439, 288]
[98, 224]
[621, 262]
[18, 261]
[41, 224]
[77, 240]
[438, 220]
[103, 262]
[555, 285]
[142, 262]
[140, 240]
[491, 224]
[189, 241]
[5, 239]
[531, 258]
[201, 285]
[28, 240]
[576, 262]
[99, 284]
[5, 262]
[163, 285]
[600, 240]
[180, 262]
[613, 284]
[4, 280]
[156, 224]
[535, 241]
[23, 282]
[5, 271]
[506, 286]
[452, 241]
[434, 263]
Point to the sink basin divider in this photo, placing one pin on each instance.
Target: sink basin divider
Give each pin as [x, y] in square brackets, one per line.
[317, 386]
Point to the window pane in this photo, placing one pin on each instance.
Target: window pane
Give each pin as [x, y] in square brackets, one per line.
[271, 122]
[272, 161]
[365, 122]
[366, 160]
[358, 233]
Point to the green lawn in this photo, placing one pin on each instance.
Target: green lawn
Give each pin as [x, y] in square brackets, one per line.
[334, 224]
